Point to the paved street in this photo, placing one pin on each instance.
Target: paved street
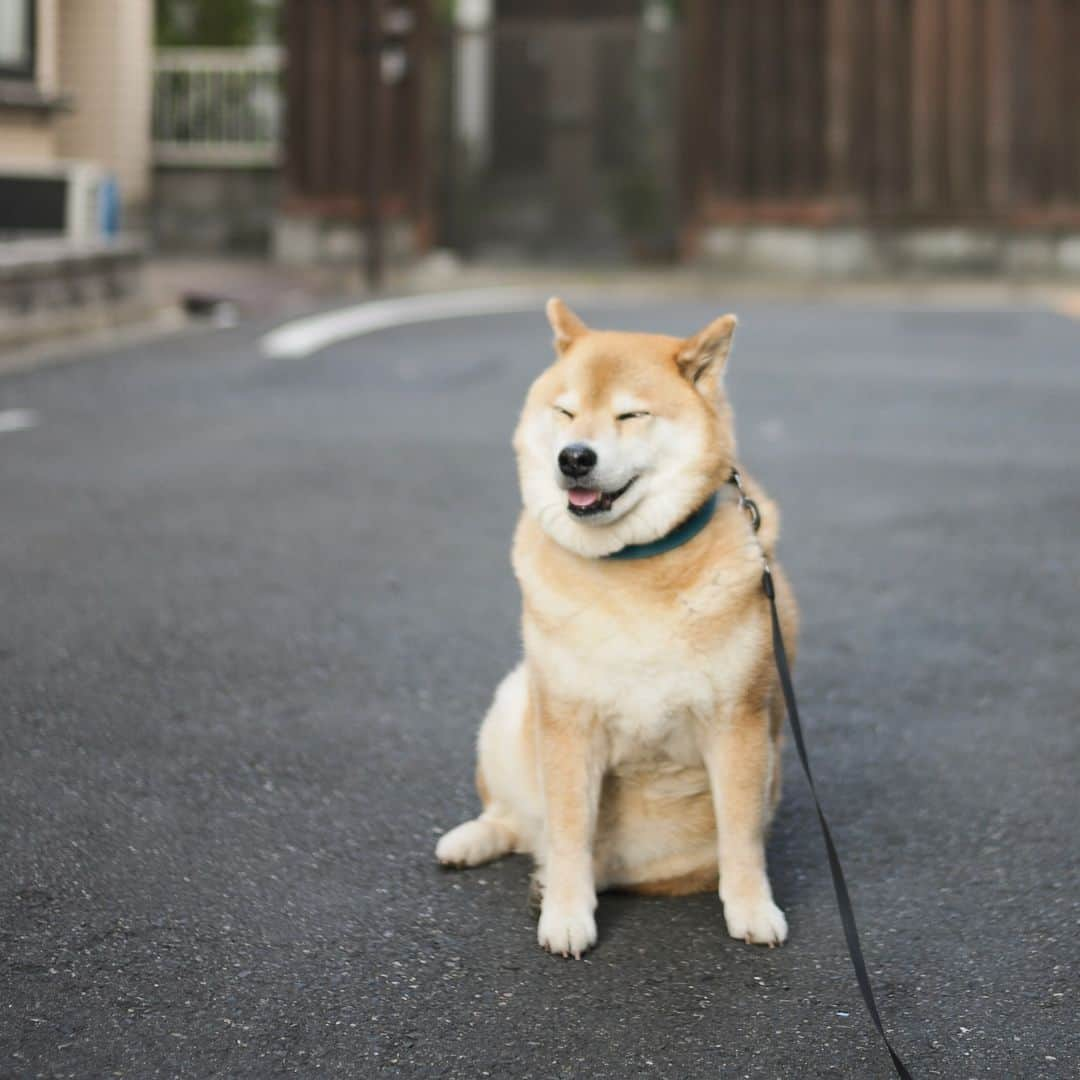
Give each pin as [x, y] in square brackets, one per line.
[254, 609]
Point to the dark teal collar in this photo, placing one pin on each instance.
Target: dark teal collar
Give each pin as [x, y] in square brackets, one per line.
[678, 536]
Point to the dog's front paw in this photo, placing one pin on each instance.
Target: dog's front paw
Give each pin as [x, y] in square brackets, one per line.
[756, 920]
[566, 929]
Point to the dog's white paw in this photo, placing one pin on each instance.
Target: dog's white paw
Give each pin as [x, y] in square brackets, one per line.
[566, 929]
[470, 844]
[757, 921]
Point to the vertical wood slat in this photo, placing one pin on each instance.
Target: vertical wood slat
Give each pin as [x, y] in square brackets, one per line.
[997, 83]
[392, 121]
[888, 129]
[766, 70]
[1070, 105]
[803, 126]
[334, 61]
[739, 111]
[705, 107]
[1021, 102]
[838, 90]
[407, 109]
[902, 52]
[778, 156]
[1047, 119]
[350, 96]
[977, 124]
[927, 69]
[864, 98]
[756, 102]
[317, 119]
[960, 105]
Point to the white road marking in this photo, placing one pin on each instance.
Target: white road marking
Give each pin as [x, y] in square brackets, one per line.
[17, 419]
[302, 337]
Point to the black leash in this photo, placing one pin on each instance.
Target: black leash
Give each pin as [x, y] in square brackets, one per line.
[843, 899]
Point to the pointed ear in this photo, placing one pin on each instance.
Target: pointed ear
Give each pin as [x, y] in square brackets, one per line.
[566, 325]
[704, 356]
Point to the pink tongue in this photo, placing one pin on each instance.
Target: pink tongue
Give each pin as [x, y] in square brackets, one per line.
[583, 496]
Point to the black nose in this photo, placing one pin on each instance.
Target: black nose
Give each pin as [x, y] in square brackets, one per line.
[576, 459]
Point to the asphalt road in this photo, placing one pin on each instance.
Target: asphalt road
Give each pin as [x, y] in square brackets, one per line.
[253, 611]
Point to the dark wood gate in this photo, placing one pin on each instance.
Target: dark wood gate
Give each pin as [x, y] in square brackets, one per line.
[883, 111]
[575, 153]
[328, 138]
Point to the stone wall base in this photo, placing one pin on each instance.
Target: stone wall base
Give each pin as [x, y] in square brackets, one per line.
[847, 252]
[206, 210]
[314, 241]
[50, 287]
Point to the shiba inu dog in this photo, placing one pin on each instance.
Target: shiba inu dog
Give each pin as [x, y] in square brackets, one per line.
[636, 747]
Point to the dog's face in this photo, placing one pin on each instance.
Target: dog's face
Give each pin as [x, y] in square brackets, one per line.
[625, 435]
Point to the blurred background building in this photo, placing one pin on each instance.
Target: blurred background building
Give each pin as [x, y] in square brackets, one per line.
[822, 137]
[75, 78]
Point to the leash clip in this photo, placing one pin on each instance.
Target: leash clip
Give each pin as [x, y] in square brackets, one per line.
[745, 502]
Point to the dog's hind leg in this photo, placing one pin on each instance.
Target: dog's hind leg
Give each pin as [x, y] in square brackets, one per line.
[505, 781]
[476, 842]
[657, 834]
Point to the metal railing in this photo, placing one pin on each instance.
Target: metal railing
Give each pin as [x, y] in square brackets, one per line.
[218, 107]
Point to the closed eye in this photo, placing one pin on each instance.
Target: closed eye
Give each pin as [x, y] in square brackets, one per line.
[631, 415]
[565, 412]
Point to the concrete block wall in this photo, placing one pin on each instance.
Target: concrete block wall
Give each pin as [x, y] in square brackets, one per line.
[849, 252]
[49, 288]
[224, 210]
[312, 241]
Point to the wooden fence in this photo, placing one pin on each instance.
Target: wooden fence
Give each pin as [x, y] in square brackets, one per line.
[883, 111]
[328, 140]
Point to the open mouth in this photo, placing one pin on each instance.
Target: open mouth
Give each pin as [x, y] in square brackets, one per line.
[583, 502]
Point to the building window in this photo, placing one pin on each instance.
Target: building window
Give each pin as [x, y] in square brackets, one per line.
[17, 39]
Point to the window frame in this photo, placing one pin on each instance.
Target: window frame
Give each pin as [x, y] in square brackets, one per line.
[27, 70]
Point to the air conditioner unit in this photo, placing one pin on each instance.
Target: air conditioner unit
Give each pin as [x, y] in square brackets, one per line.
[71, 199]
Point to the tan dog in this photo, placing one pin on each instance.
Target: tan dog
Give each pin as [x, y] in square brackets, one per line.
[637, 745]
